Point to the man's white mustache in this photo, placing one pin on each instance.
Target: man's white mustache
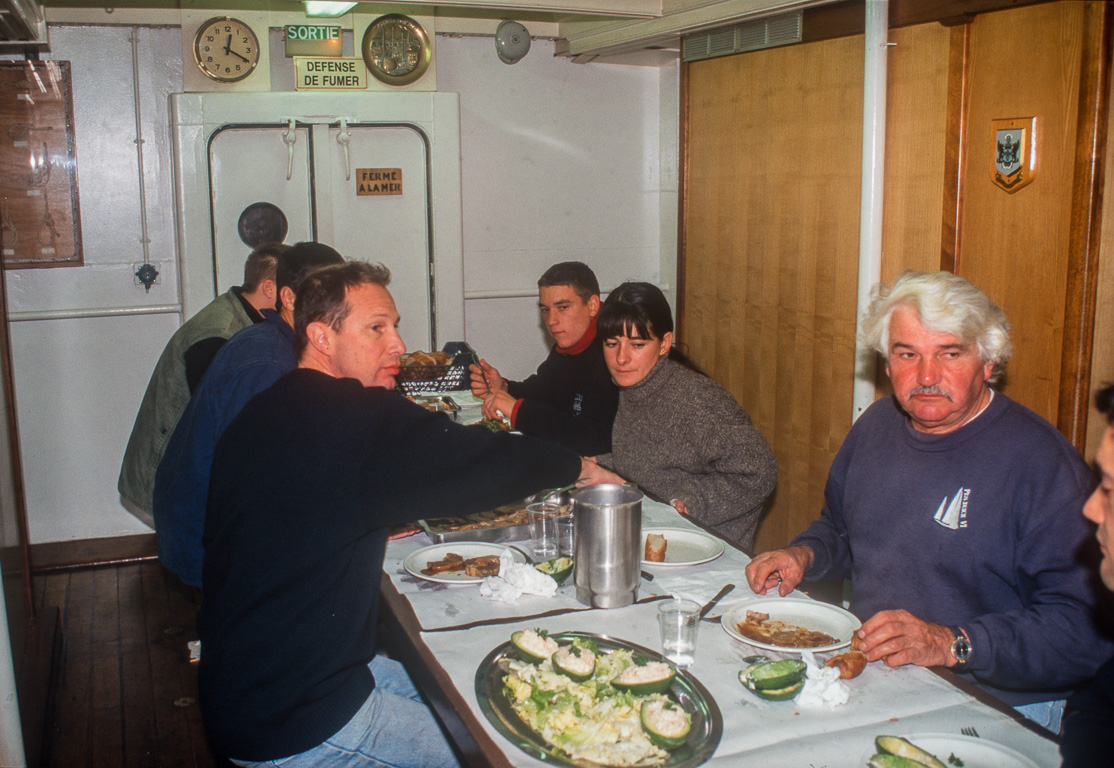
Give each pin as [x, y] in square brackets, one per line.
[935, 389]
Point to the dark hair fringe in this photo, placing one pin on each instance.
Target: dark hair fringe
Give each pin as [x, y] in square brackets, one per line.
[1104, 401]
[639, 310]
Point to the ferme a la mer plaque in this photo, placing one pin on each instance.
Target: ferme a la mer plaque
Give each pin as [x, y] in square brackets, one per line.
[378, 181]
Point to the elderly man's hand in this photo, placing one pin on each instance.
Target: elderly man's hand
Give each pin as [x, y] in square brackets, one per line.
[899, 637]
[481, 387]
[783, 568]
[499, 403]
[592, 473]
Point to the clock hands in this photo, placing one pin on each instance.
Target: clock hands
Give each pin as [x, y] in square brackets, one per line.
[228, 51]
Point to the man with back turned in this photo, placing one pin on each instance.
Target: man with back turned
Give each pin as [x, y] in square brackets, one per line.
[305, 482]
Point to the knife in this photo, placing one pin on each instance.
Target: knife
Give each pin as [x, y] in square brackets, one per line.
[712, 603]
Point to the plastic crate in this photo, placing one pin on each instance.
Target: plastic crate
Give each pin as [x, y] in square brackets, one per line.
[415, 379]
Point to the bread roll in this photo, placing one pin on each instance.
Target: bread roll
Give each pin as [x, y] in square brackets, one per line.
[655, 548]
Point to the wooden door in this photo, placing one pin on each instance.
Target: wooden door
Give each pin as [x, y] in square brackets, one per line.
[770, 216]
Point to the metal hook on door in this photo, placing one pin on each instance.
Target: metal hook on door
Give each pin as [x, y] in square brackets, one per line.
[343, 138]
[291, 138]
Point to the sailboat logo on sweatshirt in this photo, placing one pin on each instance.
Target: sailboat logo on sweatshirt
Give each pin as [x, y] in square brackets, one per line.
[953, 514]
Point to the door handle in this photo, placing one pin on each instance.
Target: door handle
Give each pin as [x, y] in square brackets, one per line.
[343, 138]
[290, 136]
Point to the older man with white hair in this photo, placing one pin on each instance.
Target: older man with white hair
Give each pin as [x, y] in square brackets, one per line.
[955, 511]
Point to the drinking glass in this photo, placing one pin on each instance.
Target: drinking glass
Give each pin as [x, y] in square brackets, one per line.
[565, 534]
[543, 530]
[678, 621]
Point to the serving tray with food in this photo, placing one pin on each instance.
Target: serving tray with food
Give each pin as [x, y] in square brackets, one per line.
[510, 522]
[436, 403]
[582, 699]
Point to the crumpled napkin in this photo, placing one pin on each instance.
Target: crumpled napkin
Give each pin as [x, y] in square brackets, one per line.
[515, 580]
[823, 687]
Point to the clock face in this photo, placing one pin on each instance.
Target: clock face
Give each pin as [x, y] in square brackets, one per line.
[396, 49]
[226, 49]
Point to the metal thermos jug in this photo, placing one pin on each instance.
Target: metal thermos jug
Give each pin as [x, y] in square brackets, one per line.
[608, 545]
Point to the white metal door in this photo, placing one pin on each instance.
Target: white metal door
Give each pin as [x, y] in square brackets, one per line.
[393, 229]
[231, 153]
[248, 166]
[321, 200]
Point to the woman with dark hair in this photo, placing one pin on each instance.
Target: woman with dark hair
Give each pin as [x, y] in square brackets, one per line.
[678, 435]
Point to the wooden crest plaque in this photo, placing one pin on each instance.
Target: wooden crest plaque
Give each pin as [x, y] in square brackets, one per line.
[1015, 156]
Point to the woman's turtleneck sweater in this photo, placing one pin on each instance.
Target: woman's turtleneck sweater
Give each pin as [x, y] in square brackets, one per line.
[680, 435]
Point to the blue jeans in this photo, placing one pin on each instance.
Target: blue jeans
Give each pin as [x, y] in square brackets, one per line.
[1044, 713]
[393, 729]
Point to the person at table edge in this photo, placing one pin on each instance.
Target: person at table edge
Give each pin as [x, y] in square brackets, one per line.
[1088, 736]
[679, 435]
[180, 369]
[305, 481]
[955, 511]
[252, 360]
[571, 399]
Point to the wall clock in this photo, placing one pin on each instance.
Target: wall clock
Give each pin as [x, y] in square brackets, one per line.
[226, 49]
[396, 49]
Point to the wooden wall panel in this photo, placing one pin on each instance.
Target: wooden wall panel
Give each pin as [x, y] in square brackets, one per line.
[1102, 359]
[771, 214]
[771, 234]
[916, 148]
[1024, 62]
[771, 246]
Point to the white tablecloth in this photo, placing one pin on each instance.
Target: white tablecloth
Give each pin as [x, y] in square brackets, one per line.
[904, 701]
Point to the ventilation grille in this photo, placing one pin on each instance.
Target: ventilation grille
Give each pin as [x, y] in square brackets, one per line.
[751, 36]
[22, 26]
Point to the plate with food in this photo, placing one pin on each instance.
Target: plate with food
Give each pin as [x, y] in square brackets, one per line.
[944, 750]
[462, 562]
[679, 546]
[790, 625]
[588, 700]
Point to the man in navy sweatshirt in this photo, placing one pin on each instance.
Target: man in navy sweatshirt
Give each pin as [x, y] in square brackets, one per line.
[955, 511]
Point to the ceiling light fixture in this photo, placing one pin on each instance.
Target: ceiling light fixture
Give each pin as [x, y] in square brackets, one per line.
[325, 8]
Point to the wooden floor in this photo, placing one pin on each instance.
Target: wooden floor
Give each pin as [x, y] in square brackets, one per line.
[125, 693]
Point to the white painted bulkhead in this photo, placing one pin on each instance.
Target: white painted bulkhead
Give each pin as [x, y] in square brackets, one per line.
[233, 150]
[558, 161]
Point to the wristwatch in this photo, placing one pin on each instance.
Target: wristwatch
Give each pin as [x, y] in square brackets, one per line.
[961, 646]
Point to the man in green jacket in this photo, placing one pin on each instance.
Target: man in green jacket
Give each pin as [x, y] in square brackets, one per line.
[180, 368]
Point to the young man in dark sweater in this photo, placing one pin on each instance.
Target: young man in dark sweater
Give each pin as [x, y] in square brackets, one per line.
[571, 400]
[305, 482]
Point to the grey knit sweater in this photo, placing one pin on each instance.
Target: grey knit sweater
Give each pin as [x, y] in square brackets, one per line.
[680, 435]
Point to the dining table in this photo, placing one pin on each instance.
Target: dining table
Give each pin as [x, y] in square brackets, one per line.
[446, 633]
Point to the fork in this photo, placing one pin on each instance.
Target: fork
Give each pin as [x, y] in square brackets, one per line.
[969, 731]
